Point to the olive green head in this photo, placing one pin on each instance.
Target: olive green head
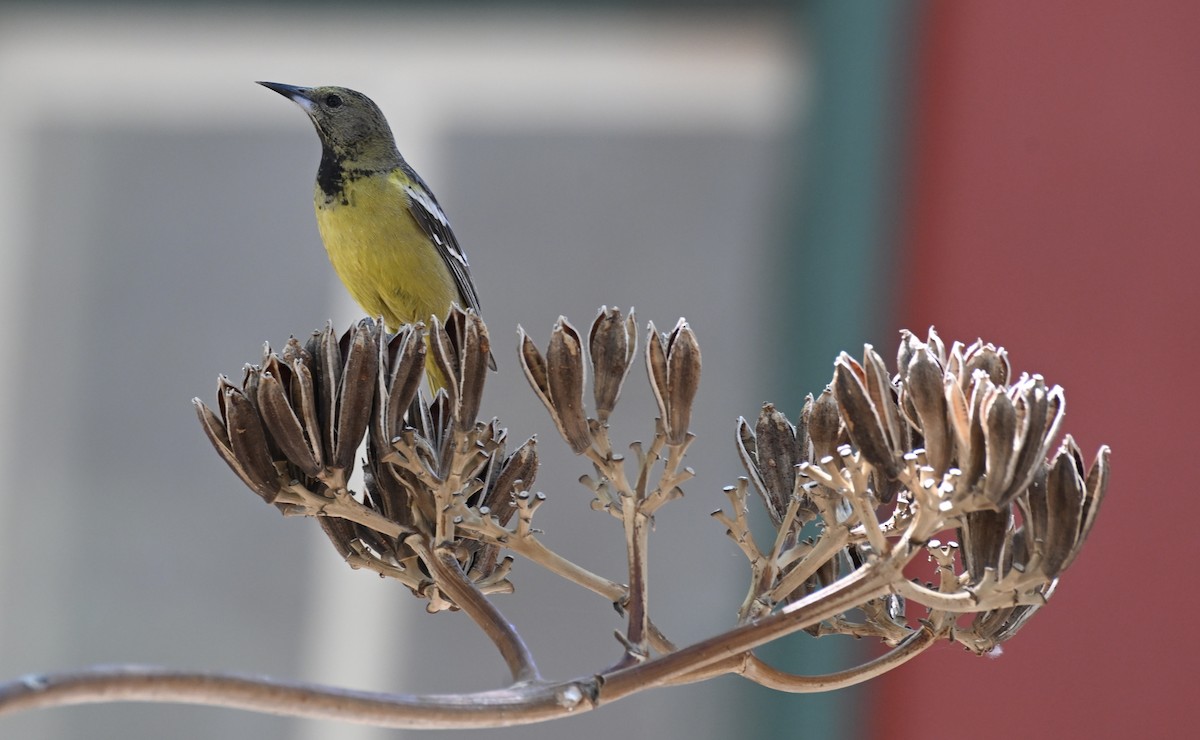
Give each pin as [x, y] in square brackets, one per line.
[351, 126]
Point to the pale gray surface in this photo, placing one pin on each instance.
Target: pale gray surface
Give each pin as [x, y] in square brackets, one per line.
[162, 258]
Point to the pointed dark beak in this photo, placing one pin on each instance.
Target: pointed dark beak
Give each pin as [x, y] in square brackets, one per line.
[299, 95]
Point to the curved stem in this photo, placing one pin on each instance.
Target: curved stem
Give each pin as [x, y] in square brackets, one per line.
[636, 543]
[758, 671]
[533, 549]
[963, 602]
[536, 551]
[356, 561]
[635, 523]
[344, 506]
[522, 704]
[516, 706]
[450, 578]
[832, 541]
[867, 583]
[755, 669]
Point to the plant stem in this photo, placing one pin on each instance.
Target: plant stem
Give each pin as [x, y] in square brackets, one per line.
[450, 578]
[636, 540]
[829, 544]
[751, 667]
[532, 548]
[765, 675]
[503, 708]
[867, 583]
[522, 704]
[634, 521]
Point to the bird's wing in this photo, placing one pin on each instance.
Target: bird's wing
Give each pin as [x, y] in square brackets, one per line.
[432, 220]
[429, 216]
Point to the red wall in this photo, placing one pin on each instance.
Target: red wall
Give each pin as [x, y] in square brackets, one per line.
[1056, 211]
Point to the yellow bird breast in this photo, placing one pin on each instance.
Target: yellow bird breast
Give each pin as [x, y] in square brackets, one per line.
[381, 254]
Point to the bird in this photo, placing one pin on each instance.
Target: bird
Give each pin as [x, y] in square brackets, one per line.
[387, 237]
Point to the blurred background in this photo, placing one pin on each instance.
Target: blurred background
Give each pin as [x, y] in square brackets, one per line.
[794, 178]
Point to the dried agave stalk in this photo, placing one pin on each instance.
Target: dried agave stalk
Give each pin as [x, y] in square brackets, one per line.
[558, 378]
[949, 457]
[949, 445]
[291, 433]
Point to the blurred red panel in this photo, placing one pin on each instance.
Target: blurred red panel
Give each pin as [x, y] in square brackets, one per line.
[1056, 211]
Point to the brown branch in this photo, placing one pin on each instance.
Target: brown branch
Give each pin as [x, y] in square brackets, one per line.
[522, 704]
[753, 668]
[636, 543]
[450, 578]
[503, 708]
[864, 584]
[756, 670]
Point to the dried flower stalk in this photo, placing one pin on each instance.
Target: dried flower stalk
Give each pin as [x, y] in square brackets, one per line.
[949, 457]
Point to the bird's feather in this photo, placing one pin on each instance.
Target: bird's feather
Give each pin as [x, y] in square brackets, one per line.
[429, 216]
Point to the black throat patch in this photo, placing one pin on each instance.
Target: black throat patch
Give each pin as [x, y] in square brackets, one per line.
[331, 175]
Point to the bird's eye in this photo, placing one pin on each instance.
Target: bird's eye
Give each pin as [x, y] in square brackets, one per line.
[333, 101]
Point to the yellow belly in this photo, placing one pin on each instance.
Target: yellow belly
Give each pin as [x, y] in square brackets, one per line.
[384, 259]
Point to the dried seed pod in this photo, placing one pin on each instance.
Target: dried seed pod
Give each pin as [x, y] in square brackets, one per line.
[986, 537]
[776, 457]
[972, 454]
[327, 372]
[803, 443]
[443, 360]
[1031, 401]
[683, 380]
[558, 380]
[861, 417]
[999, 429]
[248, 443]
[388, 489]
[284, 426]
[825, 425]
[747, 448]
[304, 403]
[567, 376]
[883, 397]
[477, 360]
[909, 346]
[748, 453]
[612, 344]
[673, 365]
[958, 414]
[954, 360]
[534, 366]
[1032, 504]
[988, 358]
[402, 363]
[218, 436]
[517, 473]
[935, 345]
[656, 368]
[356, 388]
[462, 352]
[924, 384]
[1064, 509]
[401, 370]
[1095, 487]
